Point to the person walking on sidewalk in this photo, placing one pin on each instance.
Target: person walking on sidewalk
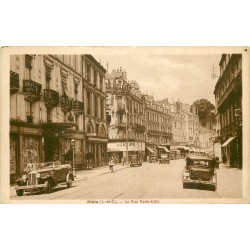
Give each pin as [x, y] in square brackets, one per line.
[122, 161]
[111, 165]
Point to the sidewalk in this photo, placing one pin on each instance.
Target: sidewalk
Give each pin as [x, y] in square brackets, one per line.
[89, 174]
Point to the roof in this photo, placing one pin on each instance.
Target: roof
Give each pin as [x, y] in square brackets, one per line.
[199, 158]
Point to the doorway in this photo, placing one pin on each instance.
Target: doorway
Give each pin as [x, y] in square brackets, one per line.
[51, 148]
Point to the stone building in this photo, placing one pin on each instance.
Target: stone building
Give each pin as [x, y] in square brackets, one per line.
[228, 100]
[158, 127]
[185, 124]
[125, 107]
[48, 101]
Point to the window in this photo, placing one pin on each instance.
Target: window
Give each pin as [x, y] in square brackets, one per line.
[47, 76]
[95, 78]
[101, 82]
[28, 66]
[88, 103]
[88, 73]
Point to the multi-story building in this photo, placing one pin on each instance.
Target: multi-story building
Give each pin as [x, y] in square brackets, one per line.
[228, 99]
[125, 108]
[185, 124]
[158, 126]
[95, 113]
[205, 139]
[49, 107]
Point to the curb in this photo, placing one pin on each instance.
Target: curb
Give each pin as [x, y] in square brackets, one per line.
[87, 178]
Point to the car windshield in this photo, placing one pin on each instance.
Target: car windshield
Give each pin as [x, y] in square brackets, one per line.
[203, 163]
[42, 165]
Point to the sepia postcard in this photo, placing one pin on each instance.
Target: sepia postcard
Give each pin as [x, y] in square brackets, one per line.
[125, 125]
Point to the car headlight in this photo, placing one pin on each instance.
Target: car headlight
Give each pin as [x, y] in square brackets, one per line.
[24, 177]
[38, 175]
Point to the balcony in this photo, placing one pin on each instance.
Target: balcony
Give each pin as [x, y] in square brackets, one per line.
[230, 91]
[78, 107]
[14, 82]
[230, 129]
[121, 125]
[121, 108]
[139, 128]
[66, 103]
[154, 132]
[108, 106]
[51, 98]
[32, 90]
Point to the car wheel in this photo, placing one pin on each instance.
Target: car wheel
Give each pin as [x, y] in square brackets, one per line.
[185, 185]
[69, 182]
[19, 192]
[47, 187]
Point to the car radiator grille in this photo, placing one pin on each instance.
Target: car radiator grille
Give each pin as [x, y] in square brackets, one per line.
[31, 179]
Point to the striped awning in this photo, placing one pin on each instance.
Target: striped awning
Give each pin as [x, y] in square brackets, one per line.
[166, 150]
[227, 141]
[150, 149]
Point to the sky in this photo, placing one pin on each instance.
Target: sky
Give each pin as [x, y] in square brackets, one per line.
[184, 77]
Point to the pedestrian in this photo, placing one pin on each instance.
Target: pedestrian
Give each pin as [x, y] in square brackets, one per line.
[29, 166]
[111, 165]
[122, 160]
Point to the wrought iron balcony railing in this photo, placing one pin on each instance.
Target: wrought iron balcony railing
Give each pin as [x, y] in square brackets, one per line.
[78, 107]
[32, 90]
[66, 103]
[14, 82]
[139, 128]
[51, 98]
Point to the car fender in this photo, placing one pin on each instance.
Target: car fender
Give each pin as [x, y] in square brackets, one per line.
[20, 182]
[47, 178]
[68, 175]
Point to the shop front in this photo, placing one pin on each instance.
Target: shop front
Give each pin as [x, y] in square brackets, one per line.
[25, 147]
[120, 149]
[97, 147]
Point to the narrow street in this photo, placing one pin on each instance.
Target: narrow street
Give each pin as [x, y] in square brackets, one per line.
[151, 181]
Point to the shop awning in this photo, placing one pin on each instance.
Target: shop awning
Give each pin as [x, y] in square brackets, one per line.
[193, 149]
[150, 149]
[96, 139]
[59, 125]
[166, 150]
[227, 141]
[159, 146]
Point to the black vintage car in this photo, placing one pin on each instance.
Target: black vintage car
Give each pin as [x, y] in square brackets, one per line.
[153, 158]
[200, 170]
[164, 158]
[135, 161]
[45, 176]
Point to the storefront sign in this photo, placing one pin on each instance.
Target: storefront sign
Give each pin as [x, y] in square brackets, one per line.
[123, 146]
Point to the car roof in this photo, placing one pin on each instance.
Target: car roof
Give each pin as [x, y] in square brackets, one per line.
[199, 158]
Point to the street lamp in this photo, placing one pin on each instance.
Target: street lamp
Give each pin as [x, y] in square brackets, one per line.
[73, 158]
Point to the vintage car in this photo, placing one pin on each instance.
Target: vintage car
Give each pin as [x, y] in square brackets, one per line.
[135, 161]
[45, 176]
[200, 170]
[164, 158]
[153, 158]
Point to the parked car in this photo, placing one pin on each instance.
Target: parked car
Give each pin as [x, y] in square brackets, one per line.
[153, 158]
[45, 176]
[164, 158]
[135, 161]
[200, 170]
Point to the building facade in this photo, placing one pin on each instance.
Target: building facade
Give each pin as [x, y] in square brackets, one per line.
[48, 109]
[125, 107]
[228, 99]
[185, 124]
[137, 124]
[158, 127]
